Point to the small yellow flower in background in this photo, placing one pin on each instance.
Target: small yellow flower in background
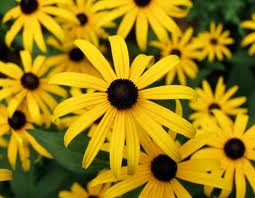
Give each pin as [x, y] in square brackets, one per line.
[142, 13]
[219, 99]
[78, 191]
[17, 126]
[182, 47]
[122, 100]
[29, 87]
[250, 38]
[30, 15]
[235, 148]
[91, 24]
[5, 175]
[161, 174]
[70, 59]
[214, 43]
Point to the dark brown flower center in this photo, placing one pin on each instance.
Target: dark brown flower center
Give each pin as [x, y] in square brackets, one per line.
[163, 168]
[142, 3]
[92, 196]
[122, 93]
[214, 41]
[234, 148]
[28, 6]
[212, 107]
[176, 52]
[17, 121]
[76, 55]
[82, 18]
[30, 81]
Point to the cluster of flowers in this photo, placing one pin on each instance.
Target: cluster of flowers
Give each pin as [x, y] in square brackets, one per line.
[118, 104]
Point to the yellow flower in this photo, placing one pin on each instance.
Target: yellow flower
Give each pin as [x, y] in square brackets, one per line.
[121, 99]
[70, 59]
[78, 192]
[17, 126]
[220, 99]
[29, 86]
[182, 47]
[234, 148]
[5, 175]
[250, 38]
[30, 15]
[213, 43]
[142, 13]
[161, 174]
[90, 26]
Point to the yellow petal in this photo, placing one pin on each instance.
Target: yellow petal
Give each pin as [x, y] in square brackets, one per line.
[240, 124]
[202, 165]
[240, 181]
[11, 70]
[141, 30]
[15, 28]
[156, 71]
[97, 59]
[98, 138]
[38, 35]
[179, 190]
[5, 175]
[26, 60]
[12, 151]
[33, 108]
[16, 101]
[79, 80]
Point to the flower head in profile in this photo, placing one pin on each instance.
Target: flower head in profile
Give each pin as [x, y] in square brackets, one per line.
[29, 86]
[31, 15]
[70, 58]
[234, 146]
[182, 47]
[144, 14]
[122, 99]
[91, 24]
[219, 99]
[161, 174]
[17, 127]
[214, 43]
[250, 38]
[5, 175]
[77, 191]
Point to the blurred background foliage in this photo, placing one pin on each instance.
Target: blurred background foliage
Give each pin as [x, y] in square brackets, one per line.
[47, 177]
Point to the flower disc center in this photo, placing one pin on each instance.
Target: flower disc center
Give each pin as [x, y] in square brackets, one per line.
[17, 121]
[30, 81]
[234, 148]
[176, 52]
[163, 168]
[214, 41]
[76, 55]
[28, 6]
[122, 93]
[82, 18]
[142, 3]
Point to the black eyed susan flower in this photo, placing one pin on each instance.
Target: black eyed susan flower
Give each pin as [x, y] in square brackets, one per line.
[235, 148]
[221, 99]
[17, 126]
[78, 191]
[29, 87]
[161, 174]
[182, 47]
[121, 98]
[142, 13]
[214, 43]
[90, 26]
[30, 15]
[250, 38]
[70, 59]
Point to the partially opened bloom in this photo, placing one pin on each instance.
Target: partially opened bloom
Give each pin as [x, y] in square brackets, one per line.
[70, 58]
[219, 99]
[214, 43]
[121, 98]
[29, 86]
[91, 21]
[17, 127]
[78, 191]
[234, 146]
[250, 38]
[161, 174]
[181, 46]
[30, 15]
[144, 13]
